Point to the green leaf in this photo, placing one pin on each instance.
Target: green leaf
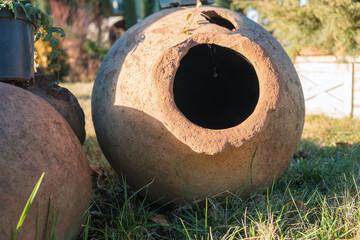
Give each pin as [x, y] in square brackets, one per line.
[62, 52]
[53, 29]
[48, 37]
[53, 65]
[38, 35]
[28, 204]
[29, 5]
[54, 42]
[13, 6]
[62, 32]
[42, 19]
[26, 10]
[48, 22]
[53, 55]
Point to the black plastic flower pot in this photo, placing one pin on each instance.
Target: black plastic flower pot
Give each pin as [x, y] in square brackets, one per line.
[16, 47]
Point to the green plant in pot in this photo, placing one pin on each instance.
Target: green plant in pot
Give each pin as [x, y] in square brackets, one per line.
[21, 24]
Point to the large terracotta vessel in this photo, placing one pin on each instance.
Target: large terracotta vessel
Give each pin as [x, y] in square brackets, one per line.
[36, 139]
[198, 107]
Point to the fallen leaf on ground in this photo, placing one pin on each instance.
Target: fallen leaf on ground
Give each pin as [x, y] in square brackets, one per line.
[298, 204]
[159, 219]
[95, 170]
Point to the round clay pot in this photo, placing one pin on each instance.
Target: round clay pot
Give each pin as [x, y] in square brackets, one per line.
[63, 101]
[200, 109]
[35, 138]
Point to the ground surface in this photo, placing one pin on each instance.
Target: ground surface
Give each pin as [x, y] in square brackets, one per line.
[316, 198]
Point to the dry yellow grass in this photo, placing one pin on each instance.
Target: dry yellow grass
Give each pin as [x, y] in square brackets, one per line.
[326, 131]
[82, 91]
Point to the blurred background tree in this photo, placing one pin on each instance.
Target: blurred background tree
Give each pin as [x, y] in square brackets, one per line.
[148, 7]
[76, 17]
[92, 26]
[320, 27]
[130, 13]
[223, 3]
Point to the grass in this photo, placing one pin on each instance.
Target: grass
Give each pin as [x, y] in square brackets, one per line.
[26, 209]
[316, 198]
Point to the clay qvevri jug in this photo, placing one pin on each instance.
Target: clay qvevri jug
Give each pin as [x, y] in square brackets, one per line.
[36, 139]
[199, 108]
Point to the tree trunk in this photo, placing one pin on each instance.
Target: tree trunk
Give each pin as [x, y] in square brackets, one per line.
[148, 7]
[223, 3]
[130, 13]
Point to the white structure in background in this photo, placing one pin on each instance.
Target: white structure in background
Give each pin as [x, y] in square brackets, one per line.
[331, 85]
[118, 7]
[302, 3]
[107, 24]
[253, 14]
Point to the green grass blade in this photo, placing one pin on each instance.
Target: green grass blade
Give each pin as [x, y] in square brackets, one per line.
[28, 204]
[187, 233]
[181, 179]
[47, 226]
[86, 237]
[206, 216]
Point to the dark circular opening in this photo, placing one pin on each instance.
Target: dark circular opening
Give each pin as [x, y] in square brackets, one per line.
[215, 18]
[215, 87]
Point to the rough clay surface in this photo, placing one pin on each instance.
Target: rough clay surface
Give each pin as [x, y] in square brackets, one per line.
[145, 137]
[63, 101]
[36, 139]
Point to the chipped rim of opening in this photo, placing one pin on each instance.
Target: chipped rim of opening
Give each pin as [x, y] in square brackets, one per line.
[212, 141]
